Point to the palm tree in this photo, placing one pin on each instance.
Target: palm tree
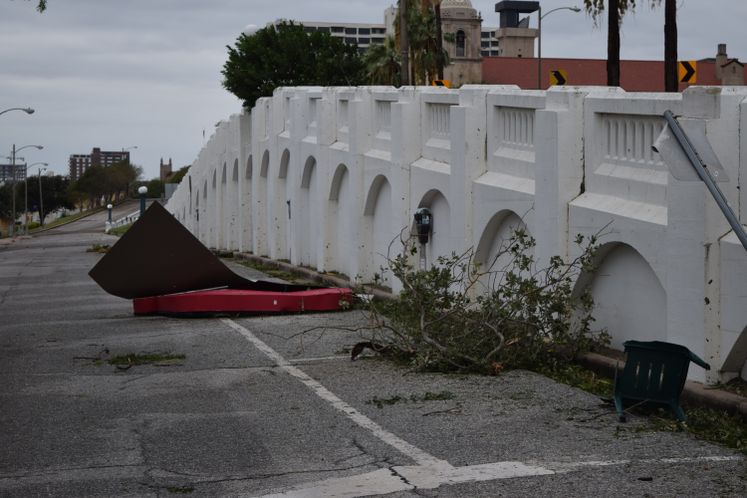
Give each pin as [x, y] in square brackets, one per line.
[426, 54]
[383, 63]
[671, 83]
[615, 11]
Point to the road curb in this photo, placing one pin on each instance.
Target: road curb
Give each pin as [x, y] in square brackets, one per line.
[694, 393]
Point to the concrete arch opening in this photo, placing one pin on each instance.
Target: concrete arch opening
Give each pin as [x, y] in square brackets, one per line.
[281, 212]
[736, 360]
[340, 249]
[307, 221]
[491, 251]
[379, 231]
[244, 204]
[221, 201]
[439, 243]
[197, 216]
[629, 300]
[258, 209]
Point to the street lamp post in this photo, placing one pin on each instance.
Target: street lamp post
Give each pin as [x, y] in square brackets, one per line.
[540, 16]
[41, 201]
[15, 150]
[142, 191]
[27, 110]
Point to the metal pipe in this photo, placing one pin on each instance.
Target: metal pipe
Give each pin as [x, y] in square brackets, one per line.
[706, 177]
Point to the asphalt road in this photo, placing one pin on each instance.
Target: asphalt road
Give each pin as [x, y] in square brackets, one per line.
[258, 407]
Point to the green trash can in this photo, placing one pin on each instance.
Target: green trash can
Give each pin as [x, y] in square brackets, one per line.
[655, 372]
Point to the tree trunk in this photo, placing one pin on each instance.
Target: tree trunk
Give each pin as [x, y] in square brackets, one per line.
[613, 43]
[671, 83]
[439, 42]
[404, 43]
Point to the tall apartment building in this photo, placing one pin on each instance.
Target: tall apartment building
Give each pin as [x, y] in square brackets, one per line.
[79, 163]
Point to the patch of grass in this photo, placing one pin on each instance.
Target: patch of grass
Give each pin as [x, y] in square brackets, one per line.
[736, 386]
[66, 219]
[702, 422]
[705, 423]
[180, 489]
[120, 230]
[274, 272]
[578, 376]
[431, 396]
[413, 398]
[380, 402]
[133, 359]
[99, 248]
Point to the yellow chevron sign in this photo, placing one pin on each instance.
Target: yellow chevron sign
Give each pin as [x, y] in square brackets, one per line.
[687, 71]
[558, 77]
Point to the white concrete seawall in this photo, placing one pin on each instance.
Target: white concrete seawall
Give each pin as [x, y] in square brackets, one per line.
[327, 178]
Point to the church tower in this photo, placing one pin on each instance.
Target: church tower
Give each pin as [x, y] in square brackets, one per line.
[462, 21]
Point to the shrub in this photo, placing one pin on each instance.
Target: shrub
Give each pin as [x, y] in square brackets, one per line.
[459, 316]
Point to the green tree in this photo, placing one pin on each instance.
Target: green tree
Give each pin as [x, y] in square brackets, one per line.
[383, 63]
[285, 55]
[177, 177]
[105, 182]
[616, 10]
[426, 55]
[155, 187]
[54, 191]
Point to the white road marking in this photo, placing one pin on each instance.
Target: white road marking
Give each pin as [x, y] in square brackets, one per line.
[407, 449]
[430, 472]
[319, 359]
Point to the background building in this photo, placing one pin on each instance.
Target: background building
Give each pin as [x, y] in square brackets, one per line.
[79, 163]
[165, 170]
[459, 18]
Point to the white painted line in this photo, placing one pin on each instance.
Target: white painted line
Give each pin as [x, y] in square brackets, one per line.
[572, 466]
[416, 454]
[319, 359]
[430, 472]
[381, 481]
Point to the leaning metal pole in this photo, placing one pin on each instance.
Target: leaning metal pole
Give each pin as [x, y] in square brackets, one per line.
[705, 176]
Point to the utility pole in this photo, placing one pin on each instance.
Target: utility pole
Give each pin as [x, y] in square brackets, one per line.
[404, 44]
[12, 230]
[670, 46]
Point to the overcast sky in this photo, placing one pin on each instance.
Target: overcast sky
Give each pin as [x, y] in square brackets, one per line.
[146, 73]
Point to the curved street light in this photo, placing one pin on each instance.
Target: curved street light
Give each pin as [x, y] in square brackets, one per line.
[41, 205]
[13, 182]
[27, 110]
[541, 16]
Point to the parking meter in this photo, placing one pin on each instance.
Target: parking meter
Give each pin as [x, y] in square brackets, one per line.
[423, 224]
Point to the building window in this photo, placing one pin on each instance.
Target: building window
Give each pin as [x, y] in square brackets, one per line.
[461, 43]
[338, 29]
[364, 31]
[364, 41]
[351, 31]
